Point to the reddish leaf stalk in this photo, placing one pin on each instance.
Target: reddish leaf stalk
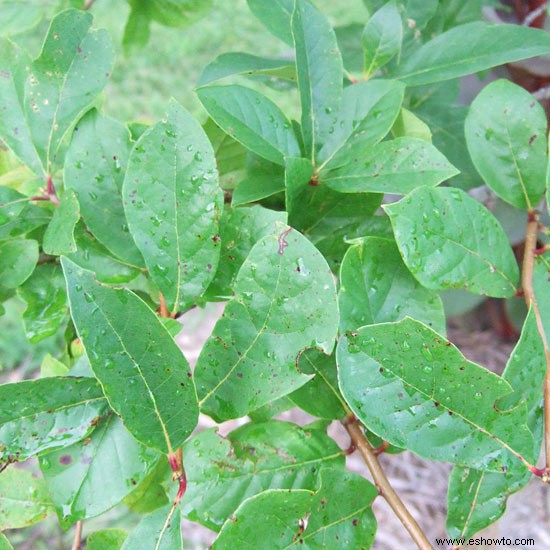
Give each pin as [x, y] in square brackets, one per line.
[382, 483]
[531, 235]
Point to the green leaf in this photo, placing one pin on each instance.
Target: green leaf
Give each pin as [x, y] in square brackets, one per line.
[24, 499]
[17, 261]
[506, 136]
[172, 203]
[106, 539]
[222, 472]
[137, 29]
[92, 255]
[320, 73]
[44, 294]
[252, 119]
[240, 229]
[161, 530]
[18, 215]
[46, 414]
[450, 56]
[50, 366]
[110, 458]
[234, 63]
[275, 15]
[94, 168]
[366, 115]
[263, 179]
[349, 43]
[150, 493]
[541, 275]
[64, 81]
[285, 301]
[397, 166]
[320, 397]
[477, 498]
[408, 124]
[377, 287]
[449, 240]
[143, 373]
[178, 13]
[402, 379]
[382, 37]
[59, 237]
[272, 409]
[5, 543]
[338, 513]
[18, 17]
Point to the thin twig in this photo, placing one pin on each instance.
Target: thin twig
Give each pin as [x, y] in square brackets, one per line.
[77, 536]
[87, 4]
[383, 485]
[528, 266]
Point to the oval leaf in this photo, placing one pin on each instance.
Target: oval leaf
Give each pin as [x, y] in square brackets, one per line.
[59, 237]
[172, 203]
[161, 530]
[285, 301]
[17, 261]
[506, 136]
[252, 119]
[449, 240]
[143, 373]
[409, 385]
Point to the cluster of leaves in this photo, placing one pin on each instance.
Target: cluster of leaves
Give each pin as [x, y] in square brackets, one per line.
[112, 222]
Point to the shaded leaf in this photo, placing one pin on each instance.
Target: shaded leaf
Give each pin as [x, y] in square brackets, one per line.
[222, 472]
[172, 203]
[18, 215]
[449, 240]
[505, 132]
[178, 13]
[17, 261]
[397, 166]
[24, 499]
[275, 15]
[91, 476]
[46, 414]
[94, 168]
[285, 301]
[161, 531]
[339, 513]
[382, 37]
[50, 366]
[106, 539]
[44, 294]
[320, 73]
[234, 63]
[450, 56]
[137, 29]
[143, 373]
[150, 493]
[252, 119]
[403, 379]
[59, 237]
[240, 229]
[377, 287]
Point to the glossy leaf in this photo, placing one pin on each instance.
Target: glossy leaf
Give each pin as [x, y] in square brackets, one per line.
[161, 531]
[449, 55]
[382, 37]
[24, 499]
[367, 113]
[377, 287]
[252, 119]
[94, 168]
[91, 476]
[143, 373]
[234, 63]
[63, 82]
[46, 414]
[403, 379]
[285, 301]
[338, 514]
[222, 472]
[240, 229]
[275, 15]
[449, 240]
[397, 166]
[92, 255]
[17, 261]
[505, 132]
[44, 293]
[320, 396]
[172, 203]
[320, 73]
[106, 539]
[59, 237]
[477, 498]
